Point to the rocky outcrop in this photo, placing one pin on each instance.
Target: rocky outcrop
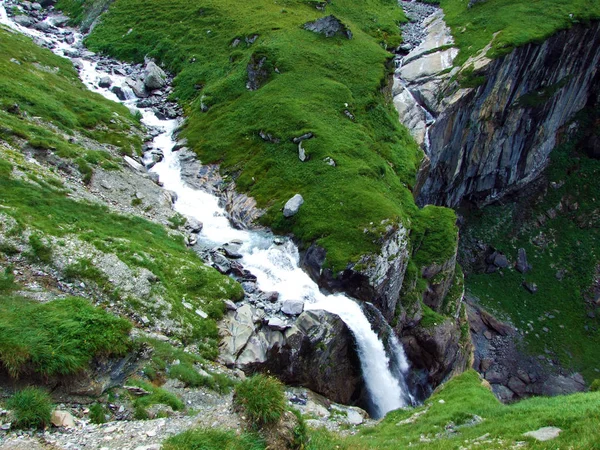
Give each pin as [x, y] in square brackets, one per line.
[511, 373]
[376, 278]
[316, 351]
[494, 137]
[329, 26]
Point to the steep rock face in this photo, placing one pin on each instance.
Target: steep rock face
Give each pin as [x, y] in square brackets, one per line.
[492, 139]
[375, 278]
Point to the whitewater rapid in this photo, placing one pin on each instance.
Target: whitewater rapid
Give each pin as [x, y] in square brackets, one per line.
[275, 265]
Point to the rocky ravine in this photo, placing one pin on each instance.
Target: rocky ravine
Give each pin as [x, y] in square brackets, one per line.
[496, 120]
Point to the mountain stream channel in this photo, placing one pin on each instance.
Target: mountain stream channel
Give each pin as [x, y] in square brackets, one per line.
[273, 260]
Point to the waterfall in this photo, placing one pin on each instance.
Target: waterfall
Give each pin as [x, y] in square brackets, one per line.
[275, 264]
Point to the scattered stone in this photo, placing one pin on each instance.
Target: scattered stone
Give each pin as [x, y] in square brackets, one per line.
[302, 153]
[530, 287]
[293, 205]
[292, 307]
[257, 72]
[134, 164]
[522, 265]
[135, 390]
[277, 324]
[230, 306]
[544, 434]
[61, 418]
[329, 161]
[304, 137]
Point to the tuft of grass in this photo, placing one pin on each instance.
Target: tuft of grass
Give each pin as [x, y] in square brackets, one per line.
[7, 281]
[158, 396]
[595, 386]
[60, 337]
[98, 413]
[202, 439]
[262, 399]
[40, 251]
[31, 408]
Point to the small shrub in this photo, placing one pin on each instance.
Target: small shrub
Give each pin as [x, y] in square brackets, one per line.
[157, 396]
[262, 399]
[31, 408]
[300, 431]
[595, 386]
[39, 250]
[8, 249]
[136, 202]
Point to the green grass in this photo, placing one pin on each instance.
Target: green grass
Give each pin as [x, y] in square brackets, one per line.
[31, 408]
[46, 87]
[98, 413]
[262, 400]
[572, 243]
[464, 397]
[517, 22]
[213, 440]
[137, 242]
[376, 158]
[60, 337]
[158, 396]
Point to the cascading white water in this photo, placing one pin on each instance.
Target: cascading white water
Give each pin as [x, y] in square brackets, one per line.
[275, 265]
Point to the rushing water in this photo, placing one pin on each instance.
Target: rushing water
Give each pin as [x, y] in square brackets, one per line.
[275, 266]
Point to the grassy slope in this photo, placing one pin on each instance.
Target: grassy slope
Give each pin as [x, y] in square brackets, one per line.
[48, 87]
[376, 158]
[43, 207]
[464, 396]
[518, 21]
[452, 407]
[574, 240]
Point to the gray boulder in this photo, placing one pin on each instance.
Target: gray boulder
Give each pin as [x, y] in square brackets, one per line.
[522, 265]
[105, 82]
[329, 26]
[154, 77]
[293, 205]
[292, 307]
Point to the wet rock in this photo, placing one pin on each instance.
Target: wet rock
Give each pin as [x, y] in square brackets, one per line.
[292, 307]
[232, 251]
[329, 26]
[277, 324]
[118, 91]
[105, 82]
[24, 21]
[293, 205]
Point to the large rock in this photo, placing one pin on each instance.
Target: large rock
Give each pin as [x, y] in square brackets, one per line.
[317, 351]
[258, 72]
[154, 77]
[329, 26]
[293, 205]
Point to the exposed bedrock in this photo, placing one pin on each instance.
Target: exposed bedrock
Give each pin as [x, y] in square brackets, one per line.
[492, 139]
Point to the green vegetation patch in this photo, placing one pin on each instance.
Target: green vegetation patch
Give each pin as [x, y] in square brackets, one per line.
[157, 396]
[469, 411]
[561, 316]
[517, 22]
[332, 87]
[202, 439]
[43, 101]
[31, 408]
[60, 337]
[180, 273]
